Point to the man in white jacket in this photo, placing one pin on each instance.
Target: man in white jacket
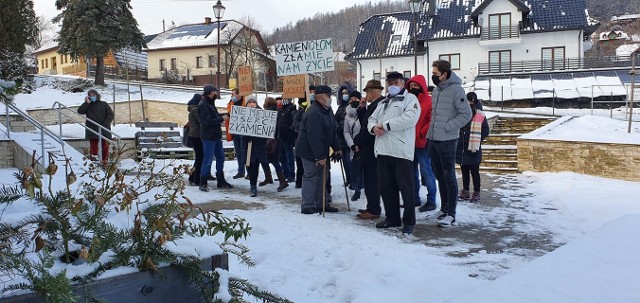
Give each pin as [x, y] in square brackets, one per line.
[393, 123]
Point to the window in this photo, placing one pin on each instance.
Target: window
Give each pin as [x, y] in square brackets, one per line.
[198, 62]
[163, 66]
[500, 61]
[395, 39]
[174, 64]
[454, 59]
[66, 58]
[500, 26]
[41, 63]
[407, 74]
[212, 61]
[61, 59]
[46, 62]
[553, 58]
[376, 76]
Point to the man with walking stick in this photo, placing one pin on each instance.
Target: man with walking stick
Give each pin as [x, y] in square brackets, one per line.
[317, 134]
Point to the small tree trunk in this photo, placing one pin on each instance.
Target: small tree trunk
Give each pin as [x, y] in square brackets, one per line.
[100, 70]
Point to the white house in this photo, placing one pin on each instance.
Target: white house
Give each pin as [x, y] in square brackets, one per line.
[478, 37]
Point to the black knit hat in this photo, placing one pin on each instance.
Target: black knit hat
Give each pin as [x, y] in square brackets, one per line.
[209, 88]
[356, 94]
[323, 89]
[394, 76]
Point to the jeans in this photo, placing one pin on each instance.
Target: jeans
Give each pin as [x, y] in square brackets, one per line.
[357, 175]
[212, 148]
[287, 159]
[395, 181]
[443, 158]
[422, 167]
[474, 170]
[240, 156]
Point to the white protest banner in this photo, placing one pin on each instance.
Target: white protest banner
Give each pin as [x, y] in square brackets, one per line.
[254, 122]
[304, 57]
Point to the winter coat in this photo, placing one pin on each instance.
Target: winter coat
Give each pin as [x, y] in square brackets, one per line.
[99, 112]
[398, 115]
[284, 122]
[317, 133]
[258, 148]
[340, 115]
[422, 127]
[365, 140]
[239, 102]
[342, 87]
[463, 155]
[274, 156]
[451, 110]
[194, 121]
[210, 120]
[297, 119]
[351, 125]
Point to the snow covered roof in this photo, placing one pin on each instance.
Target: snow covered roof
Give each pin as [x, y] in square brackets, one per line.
[47, 46]
[563, 85]
[123, 57]
[625, 17]
[196, 35]
[626, 49]
[390, 34]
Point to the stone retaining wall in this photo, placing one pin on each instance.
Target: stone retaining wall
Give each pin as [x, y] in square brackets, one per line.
[6, 153]
[617, 161]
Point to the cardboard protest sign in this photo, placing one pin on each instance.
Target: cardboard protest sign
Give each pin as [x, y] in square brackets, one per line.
[245, 85]
[252, 122]
[294, 86]
[304, 57]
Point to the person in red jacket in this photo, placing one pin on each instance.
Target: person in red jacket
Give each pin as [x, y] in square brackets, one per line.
[421, 161]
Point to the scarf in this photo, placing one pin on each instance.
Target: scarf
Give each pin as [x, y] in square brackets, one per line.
[475, 135]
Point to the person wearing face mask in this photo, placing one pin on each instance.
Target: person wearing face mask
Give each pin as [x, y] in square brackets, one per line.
[450, 112]
[258, 153]
[421, 161]
[100, 112]
[394, 125]
[343, 101]
[211, 136]
[312, 93]
[317, 134]
[236, 100]
[351, 129]
[469, 151]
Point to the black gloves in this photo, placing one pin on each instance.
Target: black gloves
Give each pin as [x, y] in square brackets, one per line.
[336, 156]
[353, 147]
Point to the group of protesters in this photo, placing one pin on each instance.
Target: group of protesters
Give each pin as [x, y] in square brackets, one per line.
[388, 145]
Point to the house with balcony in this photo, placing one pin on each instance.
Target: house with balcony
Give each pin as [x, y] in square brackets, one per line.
[190, 53]
[503, 49]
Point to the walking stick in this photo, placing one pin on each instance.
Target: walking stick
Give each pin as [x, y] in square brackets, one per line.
[344, 182]
[324, 187]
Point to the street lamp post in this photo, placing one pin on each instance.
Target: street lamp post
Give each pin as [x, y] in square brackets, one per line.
[218, 11]
[415, 6]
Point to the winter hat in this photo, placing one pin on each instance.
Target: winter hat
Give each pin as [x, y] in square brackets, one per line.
[356, 94]
[95, 92]
[472, 97]
[312, 87]
[394, 76]
[209, 88]
[373, 84]
[323, 89]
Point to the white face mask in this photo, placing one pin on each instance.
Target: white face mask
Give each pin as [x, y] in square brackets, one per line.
[394, 90]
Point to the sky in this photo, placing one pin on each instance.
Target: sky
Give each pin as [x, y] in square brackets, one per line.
[269, 14]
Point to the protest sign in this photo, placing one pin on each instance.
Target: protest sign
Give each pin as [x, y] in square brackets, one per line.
[304, 57]
[244, 78]
[294, 86]
[254, 122]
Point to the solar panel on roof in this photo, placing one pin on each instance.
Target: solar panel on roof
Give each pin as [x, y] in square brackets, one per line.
[196, 30]
[541, 77]
[625, 77]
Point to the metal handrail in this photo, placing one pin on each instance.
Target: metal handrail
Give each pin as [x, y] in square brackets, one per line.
[43, 129]
[98, 133]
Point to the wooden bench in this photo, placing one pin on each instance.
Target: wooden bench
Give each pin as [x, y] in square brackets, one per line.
[161, 144]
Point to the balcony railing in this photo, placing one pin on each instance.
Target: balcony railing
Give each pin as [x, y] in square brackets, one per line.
[485, 68]
[499, 32]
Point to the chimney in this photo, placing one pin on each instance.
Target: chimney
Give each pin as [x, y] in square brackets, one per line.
[207, 20]
[432, 7]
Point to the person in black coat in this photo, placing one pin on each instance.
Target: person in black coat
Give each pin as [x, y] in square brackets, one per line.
[317, 134]
[295, 126]
[258, 153]
[364, 142]
[211, 136]
[343, 101]
[273, 153]
[469, 160]
[286, 136]
[99, 112]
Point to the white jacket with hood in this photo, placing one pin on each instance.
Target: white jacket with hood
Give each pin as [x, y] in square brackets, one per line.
[398, 115]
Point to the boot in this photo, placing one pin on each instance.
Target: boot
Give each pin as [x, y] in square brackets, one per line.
[475, 198]
[464, 195]
[267, 178]
[254, 191]
[210, 177]
[283, 182]
[222, 183]
[203, 183]
[239, 175]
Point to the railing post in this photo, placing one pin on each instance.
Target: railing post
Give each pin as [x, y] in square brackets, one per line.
[60, 120]
[42, 145]
[99, 144]
[592, 86]
[553, 103]
[6, 108]
[611, 105]
[502, 97]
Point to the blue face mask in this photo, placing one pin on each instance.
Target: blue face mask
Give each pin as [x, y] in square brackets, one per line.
[345, 98]
[234, 99]
[313, 98]
[93, 98]
[394, 90]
